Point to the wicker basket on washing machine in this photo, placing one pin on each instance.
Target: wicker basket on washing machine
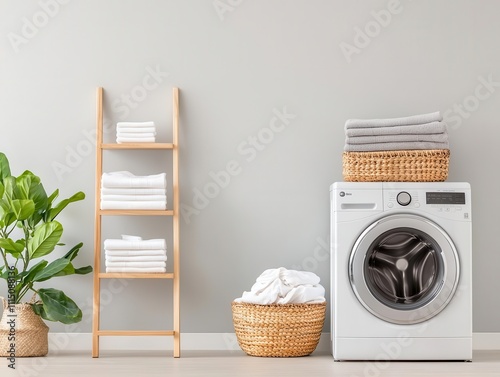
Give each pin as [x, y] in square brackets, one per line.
[396, 166]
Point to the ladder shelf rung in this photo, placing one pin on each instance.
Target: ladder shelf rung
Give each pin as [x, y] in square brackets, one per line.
[136, 212]
[138, 146]
[135, 275]
[135, 333]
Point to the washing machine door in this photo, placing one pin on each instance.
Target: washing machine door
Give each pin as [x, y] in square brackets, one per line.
[404, 269]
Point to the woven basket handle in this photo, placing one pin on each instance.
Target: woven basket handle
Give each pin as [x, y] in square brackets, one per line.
[33, 299]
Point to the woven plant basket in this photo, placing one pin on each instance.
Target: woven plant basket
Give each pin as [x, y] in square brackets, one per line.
[396, 166]
[289, 330]
[30, 332]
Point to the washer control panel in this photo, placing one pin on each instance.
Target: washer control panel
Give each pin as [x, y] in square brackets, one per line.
[445, 198]
[403, 198]
[447, 202]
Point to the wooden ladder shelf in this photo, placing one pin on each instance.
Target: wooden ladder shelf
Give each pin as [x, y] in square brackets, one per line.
[174, 213]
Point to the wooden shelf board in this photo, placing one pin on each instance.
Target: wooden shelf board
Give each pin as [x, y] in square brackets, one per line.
[135, 275]
[138, 146]
[136, 212]
[134, 333]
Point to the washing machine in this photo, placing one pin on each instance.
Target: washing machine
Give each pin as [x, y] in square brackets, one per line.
[401, 271]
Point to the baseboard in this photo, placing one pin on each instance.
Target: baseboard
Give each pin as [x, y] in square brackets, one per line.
[202, 341]
[189, 342]
[486, 341]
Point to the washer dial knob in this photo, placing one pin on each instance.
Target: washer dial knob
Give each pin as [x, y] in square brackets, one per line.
[403, 198]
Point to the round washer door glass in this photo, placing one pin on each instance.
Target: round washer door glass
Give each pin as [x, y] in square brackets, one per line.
[404, 269]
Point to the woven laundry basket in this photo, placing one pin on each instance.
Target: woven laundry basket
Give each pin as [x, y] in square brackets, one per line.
[396, 166]
[29, 331]
[275, 330]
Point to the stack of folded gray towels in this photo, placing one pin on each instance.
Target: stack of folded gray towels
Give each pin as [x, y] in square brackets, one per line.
[417, 132]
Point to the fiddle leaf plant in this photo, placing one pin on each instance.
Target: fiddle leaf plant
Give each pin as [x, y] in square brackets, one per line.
[29, 232]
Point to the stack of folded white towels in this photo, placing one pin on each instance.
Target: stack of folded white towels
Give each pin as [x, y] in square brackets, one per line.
[417, 132]
[124, 190]
[133, 254]
[135, 132]
[282, 286]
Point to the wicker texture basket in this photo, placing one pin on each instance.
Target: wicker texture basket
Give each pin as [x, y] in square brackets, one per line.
[275, 330]
[396, 166]
[31, 333]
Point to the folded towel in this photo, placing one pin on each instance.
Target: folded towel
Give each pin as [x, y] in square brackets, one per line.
[136, 269]
[135, 264]
[282, 286]
[136, 129]
[123, 245]
[135, 124]
[121, 140]
[127, 179]
[138, 135]
[132, 191]
[142, 258]
[134, 198]
[414, 129]
[131, 238]
[411, 120]
[139, 252]
[394, 146]
[434, 138]
[154, 205]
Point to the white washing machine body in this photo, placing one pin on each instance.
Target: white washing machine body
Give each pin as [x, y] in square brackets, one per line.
[401, 271]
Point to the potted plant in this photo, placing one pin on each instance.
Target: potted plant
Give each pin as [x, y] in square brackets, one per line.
[28, 233]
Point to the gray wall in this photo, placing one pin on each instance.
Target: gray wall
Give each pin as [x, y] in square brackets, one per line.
[237, 64]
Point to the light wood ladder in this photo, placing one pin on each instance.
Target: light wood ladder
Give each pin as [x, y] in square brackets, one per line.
[174, 212]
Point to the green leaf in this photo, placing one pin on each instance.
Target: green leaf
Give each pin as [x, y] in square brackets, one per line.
[63, 204]
[52, 197]
[33, 271]
[45, 239]
[9, 245]
[83, 270]
[9, 184]
[39, 310]
[59, 307]
[23, 184]
[68, 270]
[39, 196]
[22, 209]
[52, 269]
[71, 270]
[5, 275]
[28, 186]
[8, 273]
[8, 219]
[4, 167]
[73, 252]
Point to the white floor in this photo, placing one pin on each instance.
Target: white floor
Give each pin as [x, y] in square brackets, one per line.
[236, 364]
